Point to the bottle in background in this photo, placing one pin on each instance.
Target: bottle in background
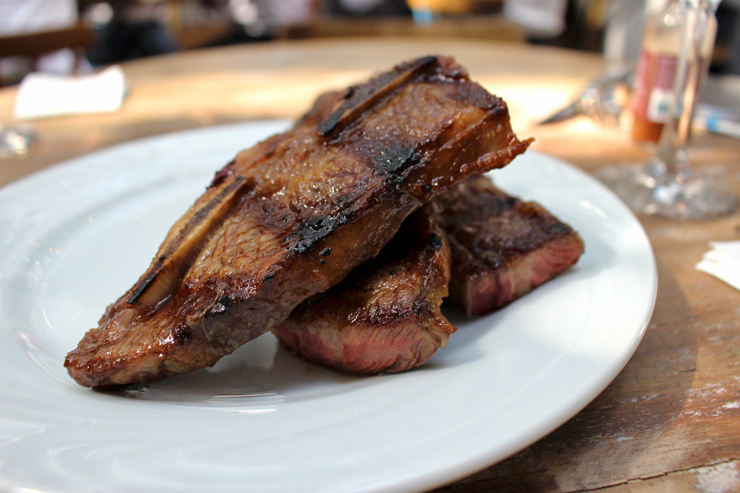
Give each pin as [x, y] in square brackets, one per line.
[656, 68]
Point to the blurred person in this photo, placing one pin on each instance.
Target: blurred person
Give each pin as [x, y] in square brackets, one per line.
[259, 20]
[366, 7]
[541, 19]
[136, 29]
[285, 12]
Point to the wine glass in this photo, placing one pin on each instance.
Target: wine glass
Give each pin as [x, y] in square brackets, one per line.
[666, 185]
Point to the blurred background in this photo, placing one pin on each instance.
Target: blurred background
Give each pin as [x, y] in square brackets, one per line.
[76, 36]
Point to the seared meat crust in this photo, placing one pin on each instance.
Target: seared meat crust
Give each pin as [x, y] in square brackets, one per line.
[385, 315]
[502, 248]
[248, 251]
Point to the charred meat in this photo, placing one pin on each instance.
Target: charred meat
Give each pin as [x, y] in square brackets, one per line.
[385, 315]
[249, 250]
[502, 248]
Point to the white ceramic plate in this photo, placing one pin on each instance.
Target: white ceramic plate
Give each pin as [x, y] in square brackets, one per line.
[75, 237]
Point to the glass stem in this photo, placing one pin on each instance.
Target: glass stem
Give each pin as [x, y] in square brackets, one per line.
[691, 68]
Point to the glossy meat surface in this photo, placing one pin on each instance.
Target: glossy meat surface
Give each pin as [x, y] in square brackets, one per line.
[502, 248]
[385, 315]
[250, 249]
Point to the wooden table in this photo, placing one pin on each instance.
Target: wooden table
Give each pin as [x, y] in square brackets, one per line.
[671, 420]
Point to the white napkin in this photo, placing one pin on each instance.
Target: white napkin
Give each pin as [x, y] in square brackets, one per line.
[723, 262]
[43, 95]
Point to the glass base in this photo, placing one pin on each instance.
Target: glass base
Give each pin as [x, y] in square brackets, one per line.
[14, 141]
[674, 195]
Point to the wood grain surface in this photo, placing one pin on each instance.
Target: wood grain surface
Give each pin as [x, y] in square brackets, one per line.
[671, 420]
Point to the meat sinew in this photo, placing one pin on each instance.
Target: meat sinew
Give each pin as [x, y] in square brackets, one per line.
[256, 243]
[502, 248]
[385, 315]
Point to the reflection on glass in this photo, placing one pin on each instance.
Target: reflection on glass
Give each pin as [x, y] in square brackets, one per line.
[15, 141]
[666, 185]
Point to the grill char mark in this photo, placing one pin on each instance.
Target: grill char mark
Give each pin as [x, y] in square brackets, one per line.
[358, 99]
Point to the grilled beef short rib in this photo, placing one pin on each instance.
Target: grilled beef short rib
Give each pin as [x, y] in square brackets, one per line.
[385, 315]
[502, 248]
[249, 250]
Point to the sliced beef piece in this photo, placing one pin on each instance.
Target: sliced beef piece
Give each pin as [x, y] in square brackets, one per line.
[502, 248]
[249, 250]
[383, 317]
